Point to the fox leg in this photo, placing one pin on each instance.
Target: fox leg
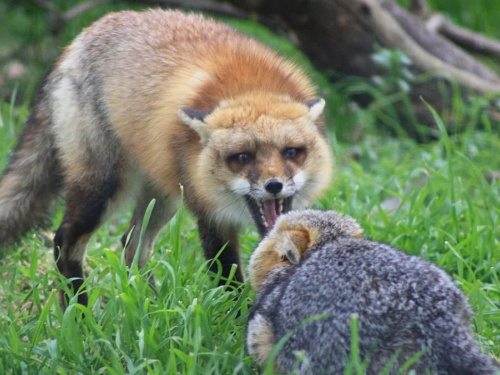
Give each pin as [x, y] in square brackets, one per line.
[86, 201]
[213, 238]
[164, 208]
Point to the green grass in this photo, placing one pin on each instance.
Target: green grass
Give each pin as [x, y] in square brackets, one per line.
[448, 213]
[446, 210]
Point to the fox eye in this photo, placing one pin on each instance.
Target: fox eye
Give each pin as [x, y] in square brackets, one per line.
[242, 158]
[292, 152]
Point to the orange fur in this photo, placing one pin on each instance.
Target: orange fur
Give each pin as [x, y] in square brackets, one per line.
[208, 63]
[272, 251]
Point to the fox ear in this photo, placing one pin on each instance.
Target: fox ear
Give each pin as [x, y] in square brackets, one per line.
[316, 107]
[195, 119]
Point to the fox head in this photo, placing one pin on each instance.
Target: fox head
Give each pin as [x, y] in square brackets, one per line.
[260, 155]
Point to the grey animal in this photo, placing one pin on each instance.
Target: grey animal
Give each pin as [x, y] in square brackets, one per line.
[314, 264]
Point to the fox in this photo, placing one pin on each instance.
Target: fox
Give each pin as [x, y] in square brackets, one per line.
[143, 104]
[313, 272]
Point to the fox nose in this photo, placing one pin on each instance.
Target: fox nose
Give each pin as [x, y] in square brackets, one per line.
[273, 186]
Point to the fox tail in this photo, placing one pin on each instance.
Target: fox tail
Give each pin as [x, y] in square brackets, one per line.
[32, 179]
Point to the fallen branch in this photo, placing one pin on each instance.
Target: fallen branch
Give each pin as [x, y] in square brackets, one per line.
[492, 176]
[50, 7]
[465, 38]
[203, 6]
[435, 44]
[392, 34]
[81, 8]
[420, 8]
[57, 18]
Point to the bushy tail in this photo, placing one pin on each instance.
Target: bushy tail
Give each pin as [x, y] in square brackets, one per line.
[32, 180]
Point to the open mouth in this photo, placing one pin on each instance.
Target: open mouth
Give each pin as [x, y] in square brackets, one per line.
[265, 213]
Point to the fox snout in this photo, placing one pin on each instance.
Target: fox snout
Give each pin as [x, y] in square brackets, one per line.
[273, 186]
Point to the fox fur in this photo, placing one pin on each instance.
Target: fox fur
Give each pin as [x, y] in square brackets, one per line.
[313, 264]
[141, 103]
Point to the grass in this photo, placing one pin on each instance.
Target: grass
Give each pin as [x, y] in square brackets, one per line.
[433, 200]
[448, 213]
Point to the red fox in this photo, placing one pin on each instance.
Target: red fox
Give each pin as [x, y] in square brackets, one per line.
[143, 102]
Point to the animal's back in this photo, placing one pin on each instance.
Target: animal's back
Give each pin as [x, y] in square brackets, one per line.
[404, 305]
[313, 274]
[140, 68]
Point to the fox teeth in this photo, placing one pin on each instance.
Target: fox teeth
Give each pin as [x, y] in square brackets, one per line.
[262, 217]
[260, 209]
[280, 206]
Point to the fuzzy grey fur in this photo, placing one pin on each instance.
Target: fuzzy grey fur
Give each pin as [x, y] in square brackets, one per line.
[404, 304]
